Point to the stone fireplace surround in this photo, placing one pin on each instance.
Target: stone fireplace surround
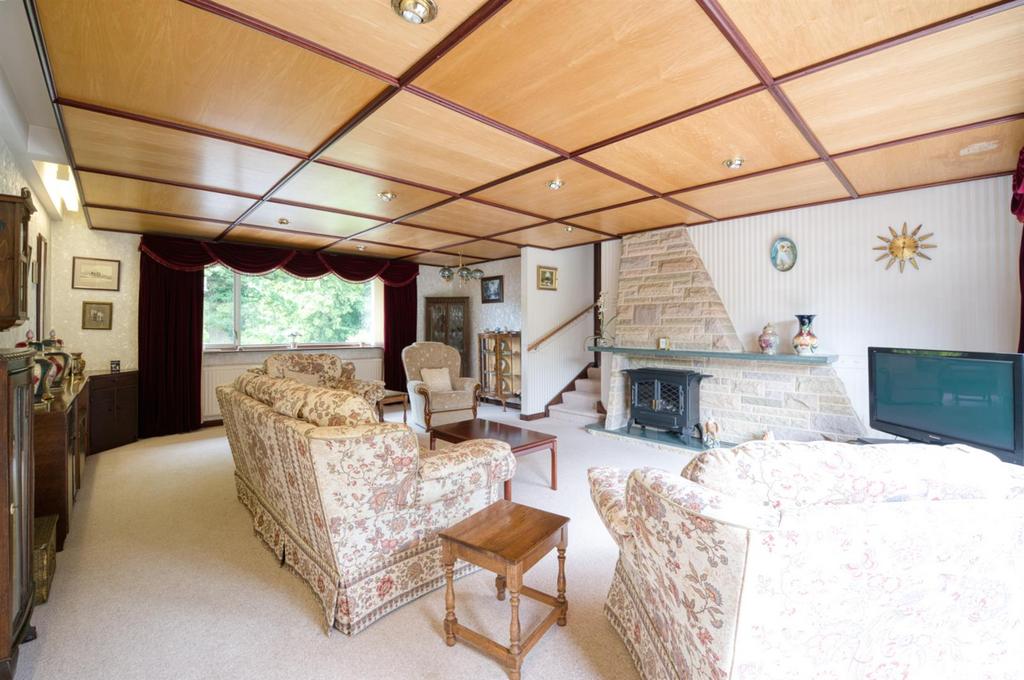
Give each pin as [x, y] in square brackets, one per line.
[665, 291]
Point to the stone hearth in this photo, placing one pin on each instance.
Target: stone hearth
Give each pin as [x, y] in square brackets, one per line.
[664, 291]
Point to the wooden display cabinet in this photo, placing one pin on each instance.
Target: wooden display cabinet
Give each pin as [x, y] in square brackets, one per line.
[500, 366]
[15, 258]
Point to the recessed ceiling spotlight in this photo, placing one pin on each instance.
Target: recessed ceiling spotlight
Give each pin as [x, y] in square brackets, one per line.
[733, 163]
[283, 220]
[556, 184]
[360, 247]
[569, 228]
[387, 196]
[415, 11]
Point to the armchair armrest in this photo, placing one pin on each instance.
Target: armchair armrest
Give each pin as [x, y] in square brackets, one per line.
[370, 390]
[418, 387]
[608, 492]
[461, 469]
[465, 384]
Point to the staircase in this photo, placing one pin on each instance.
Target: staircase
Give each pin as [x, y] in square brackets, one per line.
[579, 405]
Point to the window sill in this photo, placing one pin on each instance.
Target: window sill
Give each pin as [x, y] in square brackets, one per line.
[286, 348]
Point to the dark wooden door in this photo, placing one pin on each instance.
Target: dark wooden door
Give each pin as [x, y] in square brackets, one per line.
[113, 410]
[448, 322]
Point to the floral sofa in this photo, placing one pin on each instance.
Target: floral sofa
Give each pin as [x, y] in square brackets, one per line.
[784, 561]
[432, 407]
[322, 370]
[353, 506]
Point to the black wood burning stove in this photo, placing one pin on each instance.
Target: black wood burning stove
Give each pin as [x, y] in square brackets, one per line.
[666, 399]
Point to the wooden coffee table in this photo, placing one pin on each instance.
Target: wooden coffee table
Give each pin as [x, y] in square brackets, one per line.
[522, 441]
[507, 539]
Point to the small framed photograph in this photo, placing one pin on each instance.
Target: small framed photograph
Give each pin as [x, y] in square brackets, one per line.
[492, 289]
[97, 316]
[663, 343]
[115, 365]
[547, 278]
[90, 273]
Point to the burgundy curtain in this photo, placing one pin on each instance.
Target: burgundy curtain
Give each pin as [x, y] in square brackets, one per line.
[1017, 208]
[171, 316]
[399, 331]
[170, 349]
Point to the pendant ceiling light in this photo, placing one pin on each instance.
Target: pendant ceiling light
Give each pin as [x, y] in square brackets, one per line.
[463, 273]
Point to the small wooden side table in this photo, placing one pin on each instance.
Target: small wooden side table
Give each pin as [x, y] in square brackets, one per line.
[508, 539]
[392, 397]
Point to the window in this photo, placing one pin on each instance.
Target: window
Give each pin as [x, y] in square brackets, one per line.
[241, 310]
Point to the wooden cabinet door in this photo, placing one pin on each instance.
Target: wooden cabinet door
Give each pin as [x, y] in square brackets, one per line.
[102, 420]
[447, 321]
[126, 410]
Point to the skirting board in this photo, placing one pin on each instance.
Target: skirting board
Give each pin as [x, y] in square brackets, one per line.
[532, 416]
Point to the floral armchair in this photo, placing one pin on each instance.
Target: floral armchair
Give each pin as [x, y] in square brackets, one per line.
[323, 370]
[782, 560]
[433, 406]
[351, 505]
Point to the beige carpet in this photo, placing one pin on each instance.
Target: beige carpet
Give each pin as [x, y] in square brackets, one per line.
[162, 577]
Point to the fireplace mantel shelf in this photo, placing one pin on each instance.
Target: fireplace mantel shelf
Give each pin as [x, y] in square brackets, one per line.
[811, 359]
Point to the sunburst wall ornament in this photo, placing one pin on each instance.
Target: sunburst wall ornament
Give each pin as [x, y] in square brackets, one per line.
[904, 247]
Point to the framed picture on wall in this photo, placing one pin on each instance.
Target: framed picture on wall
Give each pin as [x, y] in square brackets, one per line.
[97, 316]
[547, 278]
[91, 273]
[492, 289]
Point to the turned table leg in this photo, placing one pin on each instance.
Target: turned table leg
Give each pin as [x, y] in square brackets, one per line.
[554, 465]
[514, 649]
[448, 558]
[499, 584]
[562, 544]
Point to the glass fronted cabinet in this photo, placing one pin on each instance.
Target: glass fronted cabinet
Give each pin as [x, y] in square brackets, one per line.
[500, 366]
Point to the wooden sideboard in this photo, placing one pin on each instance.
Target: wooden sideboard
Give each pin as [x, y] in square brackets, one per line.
[87, 415]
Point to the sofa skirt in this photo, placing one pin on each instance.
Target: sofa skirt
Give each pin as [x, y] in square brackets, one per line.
[353, 602]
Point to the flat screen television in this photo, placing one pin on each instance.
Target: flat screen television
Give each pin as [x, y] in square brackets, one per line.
[942, 397]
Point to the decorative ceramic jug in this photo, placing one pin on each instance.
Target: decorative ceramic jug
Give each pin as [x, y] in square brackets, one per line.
[61, 363]
[78, 365]
[768, 341]
[805, 342]
[41, 379]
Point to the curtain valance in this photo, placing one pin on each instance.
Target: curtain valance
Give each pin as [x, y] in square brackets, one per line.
[184, 254]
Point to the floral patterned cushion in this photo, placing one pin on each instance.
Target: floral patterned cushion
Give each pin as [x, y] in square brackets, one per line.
[794, 474]
[457, 470]
[328, 369]
[329, 407]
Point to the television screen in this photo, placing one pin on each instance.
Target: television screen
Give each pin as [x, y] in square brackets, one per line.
[946, 397]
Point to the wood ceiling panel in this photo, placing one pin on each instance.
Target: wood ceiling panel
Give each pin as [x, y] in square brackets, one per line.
[774, 191]
[971, 153]
[110, 143]
[489, 250]
[307, 220]
[366, 30]
[168, 60]
[141, 223]
[442, 260]
[583, 189]
[412, 237]
[573, 74]
[324, 185]
[122, 192]
[354, 247]
[418, 140]
[469, 217]
[691, 151]
[961, 75]
[281, 239]
[552, 236]
[643, 215]
[791, 34]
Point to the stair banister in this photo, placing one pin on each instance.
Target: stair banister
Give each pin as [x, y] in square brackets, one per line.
[535, 345]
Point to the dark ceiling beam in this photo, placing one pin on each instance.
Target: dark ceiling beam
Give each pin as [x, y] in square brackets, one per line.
[739, 43]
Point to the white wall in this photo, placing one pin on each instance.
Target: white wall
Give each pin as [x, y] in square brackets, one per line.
[73, 238]
[11, 182]
[507, 314]
[549, 369]
[611, 253]
[966, 298]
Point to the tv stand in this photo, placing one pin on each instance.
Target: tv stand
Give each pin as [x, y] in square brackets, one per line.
[862, 441]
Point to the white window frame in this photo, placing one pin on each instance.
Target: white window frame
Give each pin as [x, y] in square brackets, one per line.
[376, 324]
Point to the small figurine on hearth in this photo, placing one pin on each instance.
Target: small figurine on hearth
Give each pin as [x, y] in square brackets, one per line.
[711, 433]
[767, 436]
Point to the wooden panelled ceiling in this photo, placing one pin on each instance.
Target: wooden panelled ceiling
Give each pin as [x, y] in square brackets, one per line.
[339, 126]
